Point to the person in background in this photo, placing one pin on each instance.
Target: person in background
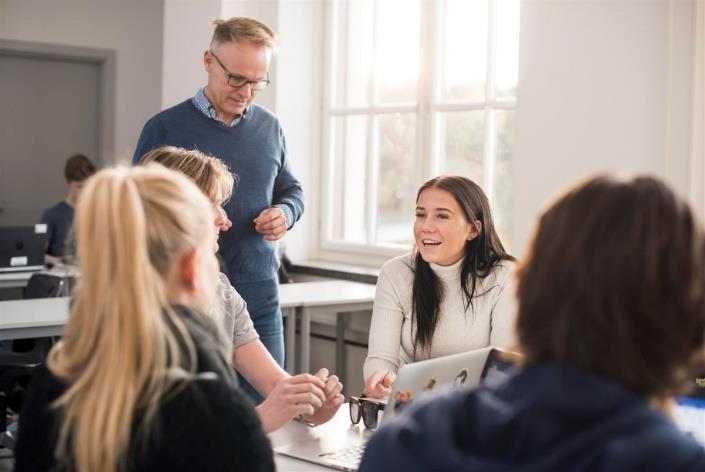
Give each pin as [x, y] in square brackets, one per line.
[59, 218]
[221, 120]
[611, 324]
[141, 378]
[450, 294]
[285, 396]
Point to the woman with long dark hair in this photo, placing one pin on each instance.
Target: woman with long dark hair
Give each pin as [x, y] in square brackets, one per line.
[449, 295]
[611, 325]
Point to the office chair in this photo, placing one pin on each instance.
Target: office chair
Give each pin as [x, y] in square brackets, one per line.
[44, 286]
[18, 365]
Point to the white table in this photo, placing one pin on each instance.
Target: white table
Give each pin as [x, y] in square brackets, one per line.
[46, 317]
[15, 279]
[19, 279]
[334, 431]
[35, 318]
[290, 307]
[328, 296]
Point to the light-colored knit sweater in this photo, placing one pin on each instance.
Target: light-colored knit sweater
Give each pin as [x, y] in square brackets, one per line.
[489, 321]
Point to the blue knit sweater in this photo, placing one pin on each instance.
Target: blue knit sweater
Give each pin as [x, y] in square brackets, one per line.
[255, 150]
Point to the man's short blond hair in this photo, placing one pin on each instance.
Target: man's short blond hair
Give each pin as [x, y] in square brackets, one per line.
[243, 29]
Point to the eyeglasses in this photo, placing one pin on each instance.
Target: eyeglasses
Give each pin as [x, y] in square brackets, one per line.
[366, 408]
[238, 81]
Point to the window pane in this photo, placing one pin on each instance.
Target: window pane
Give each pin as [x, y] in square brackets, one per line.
[502, 201]
[461, 144]
[397, 178]
[463, 50]
[349, 146]
[353, 52]
[397, 51]
[507, 47]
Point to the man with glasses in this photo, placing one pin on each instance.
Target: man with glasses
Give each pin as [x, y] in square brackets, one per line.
[222, 121]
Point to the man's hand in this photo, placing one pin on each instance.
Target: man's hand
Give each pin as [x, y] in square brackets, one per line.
[292, 396]
[333, 398]
[379, 385]
[271, 223]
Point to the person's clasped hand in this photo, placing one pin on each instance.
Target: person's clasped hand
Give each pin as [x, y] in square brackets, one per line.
[379, 385]
[271, 223]
[316, 398]
[333, 398]
[299, 395]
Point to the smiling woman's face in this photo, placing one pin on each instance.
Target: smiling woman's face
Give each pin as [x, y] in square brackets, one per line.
[441, 229]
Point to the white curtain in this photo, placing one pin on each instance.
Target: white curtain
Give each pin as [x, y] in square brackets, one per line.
[685, 136]
[697, 147]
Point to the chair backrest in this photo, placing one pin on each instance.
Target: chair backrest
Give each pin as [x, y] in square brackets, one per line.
[43, 286]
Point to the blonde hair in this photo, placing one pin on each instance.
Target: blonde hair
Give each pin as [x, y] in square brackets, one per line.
[121, 344]
[243, 29]
[209, 174]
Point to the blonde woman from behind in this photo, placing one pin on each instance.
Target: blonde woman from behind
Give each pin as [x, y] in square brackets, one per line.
[140, 380]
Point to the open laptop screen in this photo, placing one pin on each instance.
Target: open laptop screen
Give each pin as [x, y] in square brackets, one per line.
[689, 411]
[498, 366]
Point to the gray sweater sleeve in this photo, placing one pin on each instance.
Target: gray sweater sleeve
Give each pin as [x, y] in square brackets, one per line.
[230, 311]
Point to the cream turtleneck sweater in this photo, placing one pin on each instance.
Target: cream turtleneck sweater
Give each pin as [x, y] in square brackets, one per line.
[488, 322]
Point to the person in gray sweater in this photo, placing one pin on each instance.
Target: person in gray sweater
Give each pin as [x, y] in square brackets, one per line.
[315, 398]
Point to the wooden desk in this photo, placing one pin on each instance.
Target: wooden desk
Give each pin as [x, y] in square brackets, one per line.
[36, 318]
[329, 296]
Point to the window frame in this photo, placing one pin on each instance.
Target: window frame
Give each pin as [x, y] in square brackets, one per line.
[427, 110]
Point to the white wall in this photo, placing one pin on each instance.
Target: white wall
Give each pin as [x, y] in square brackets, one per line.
[188, 29]
[132, 29]
[266, 11]
[187, 33]
[593, 96]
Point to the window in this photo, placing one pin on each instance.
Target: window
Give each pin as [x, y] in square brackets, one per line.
[414, 89]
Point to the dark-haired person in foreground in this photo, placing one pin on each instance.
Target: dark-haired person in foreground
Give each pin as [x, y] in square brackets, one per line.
[449, 295]
[611, 321]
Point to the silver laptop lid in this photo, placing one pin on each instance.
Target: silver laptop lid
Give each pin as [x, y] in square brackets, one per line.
[460, 370]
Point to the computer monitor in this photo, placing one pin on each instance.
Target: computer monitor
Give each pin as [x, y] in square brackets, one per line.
[22, 248]
[499, 365]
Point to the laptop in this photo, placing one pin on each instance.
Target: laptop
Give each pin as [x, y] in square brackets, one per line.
[689, 411]
[344, 451]
[22, 248]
